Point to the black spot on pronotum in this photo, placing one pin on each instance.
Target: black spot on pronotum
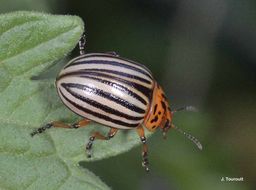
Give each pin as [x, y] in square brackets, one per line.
[163, 105]
[163, 95]
[155, 108]
[159, 112]
[154, 127]
[154, 119]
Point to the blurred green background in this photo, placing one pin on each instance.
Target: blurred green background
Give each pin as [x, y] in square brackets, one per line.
[203, 53]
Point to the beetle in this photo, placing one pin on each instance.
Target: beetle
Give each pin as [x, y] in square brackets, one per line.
[116, 92]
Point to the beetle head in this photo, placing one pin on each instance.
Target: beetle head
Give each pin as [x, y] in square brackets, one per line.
[159, 114]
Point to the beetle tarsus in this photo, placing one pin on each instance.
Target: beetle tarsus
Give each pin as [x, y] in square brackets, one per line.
[98, 135]
[82, 43]
[164, 135]
[41, 129]
[145, 162]
[89, 147]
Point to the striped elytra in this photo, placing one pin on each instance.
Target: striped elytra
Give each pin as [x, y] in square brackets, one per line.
[107, 89]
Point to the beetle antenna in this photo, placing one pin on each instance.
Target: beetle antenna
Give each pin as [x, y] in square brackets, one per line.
[190, 137]
[186, 108]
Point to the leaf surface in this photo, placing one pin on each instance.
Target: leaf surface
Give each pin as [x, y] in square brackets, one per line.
[30, 42]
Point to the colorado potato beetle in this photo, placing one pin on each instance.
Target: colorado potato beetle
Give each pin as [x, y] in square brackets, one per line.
[116, 92]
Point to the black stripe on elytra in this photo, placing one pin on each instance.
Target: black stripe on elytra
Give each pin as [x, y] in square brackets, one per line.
[104, 94]
[119, 87]
[107, 55]
[108, 62]
[124, 59]
[104, 117]
[144, 90]
[101, 106]
[120, 74]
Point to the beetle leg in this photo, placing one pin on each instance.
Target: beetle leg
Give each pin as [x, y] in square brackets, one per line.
[82, 43]
[97, 135]
[81, 123]
[59, 124]
[145, 162]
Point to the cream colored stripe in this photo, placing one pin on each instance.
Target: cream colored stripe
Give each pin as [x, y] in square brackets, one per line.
[92, 117]
[109, 89]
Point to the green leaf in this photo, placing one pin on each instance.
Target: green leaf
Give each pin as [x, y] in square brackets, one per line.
[30, 42]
